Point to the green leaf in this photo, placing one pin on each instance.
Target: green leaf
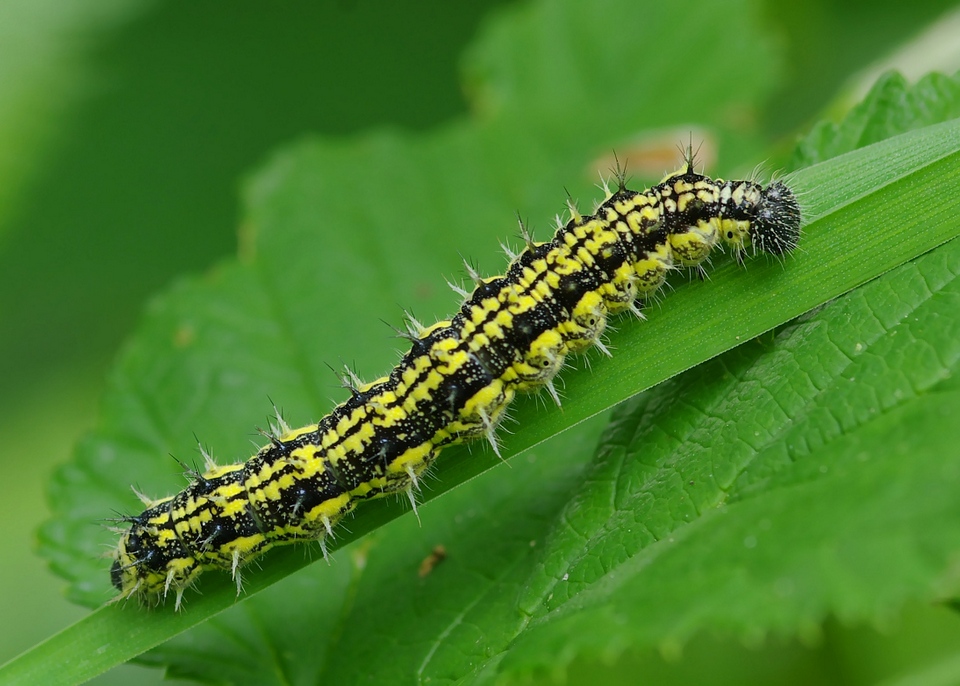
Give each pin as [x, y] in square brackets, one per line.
[517, 511]
[491, 526]
[333, 228]
[811, 473]
[893, 106]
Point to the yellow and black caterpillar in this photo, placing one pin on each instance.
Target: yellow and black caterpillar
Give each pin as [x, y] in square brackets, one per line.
[512, 334]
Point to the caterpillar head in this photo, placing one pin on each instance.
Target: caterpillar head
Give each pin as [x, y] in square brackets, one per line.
[775, 226]
[768, 219]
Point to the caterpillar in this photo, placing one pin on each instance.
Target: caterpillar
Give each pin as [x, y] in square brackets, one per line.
[511, 335]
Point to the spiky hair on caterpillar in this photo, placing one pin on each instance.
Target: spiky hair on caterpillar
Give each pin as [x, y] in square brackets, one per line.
[511, 335]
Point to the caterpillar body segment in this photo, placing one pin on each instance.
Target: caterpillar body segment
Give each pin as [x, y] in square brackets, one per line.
[511, 335]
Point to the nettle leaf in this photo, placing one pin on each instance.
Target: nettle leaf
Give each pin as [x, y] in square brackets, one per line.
[807, 473]
[340, 234]
[892, 106]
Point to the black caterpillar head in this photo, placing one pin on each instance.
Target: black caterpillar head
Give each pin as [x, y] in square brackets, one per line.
[775, 225]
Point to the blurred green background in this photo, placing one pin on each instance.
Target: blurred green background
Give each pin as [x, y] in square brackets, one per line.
[126, 129]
